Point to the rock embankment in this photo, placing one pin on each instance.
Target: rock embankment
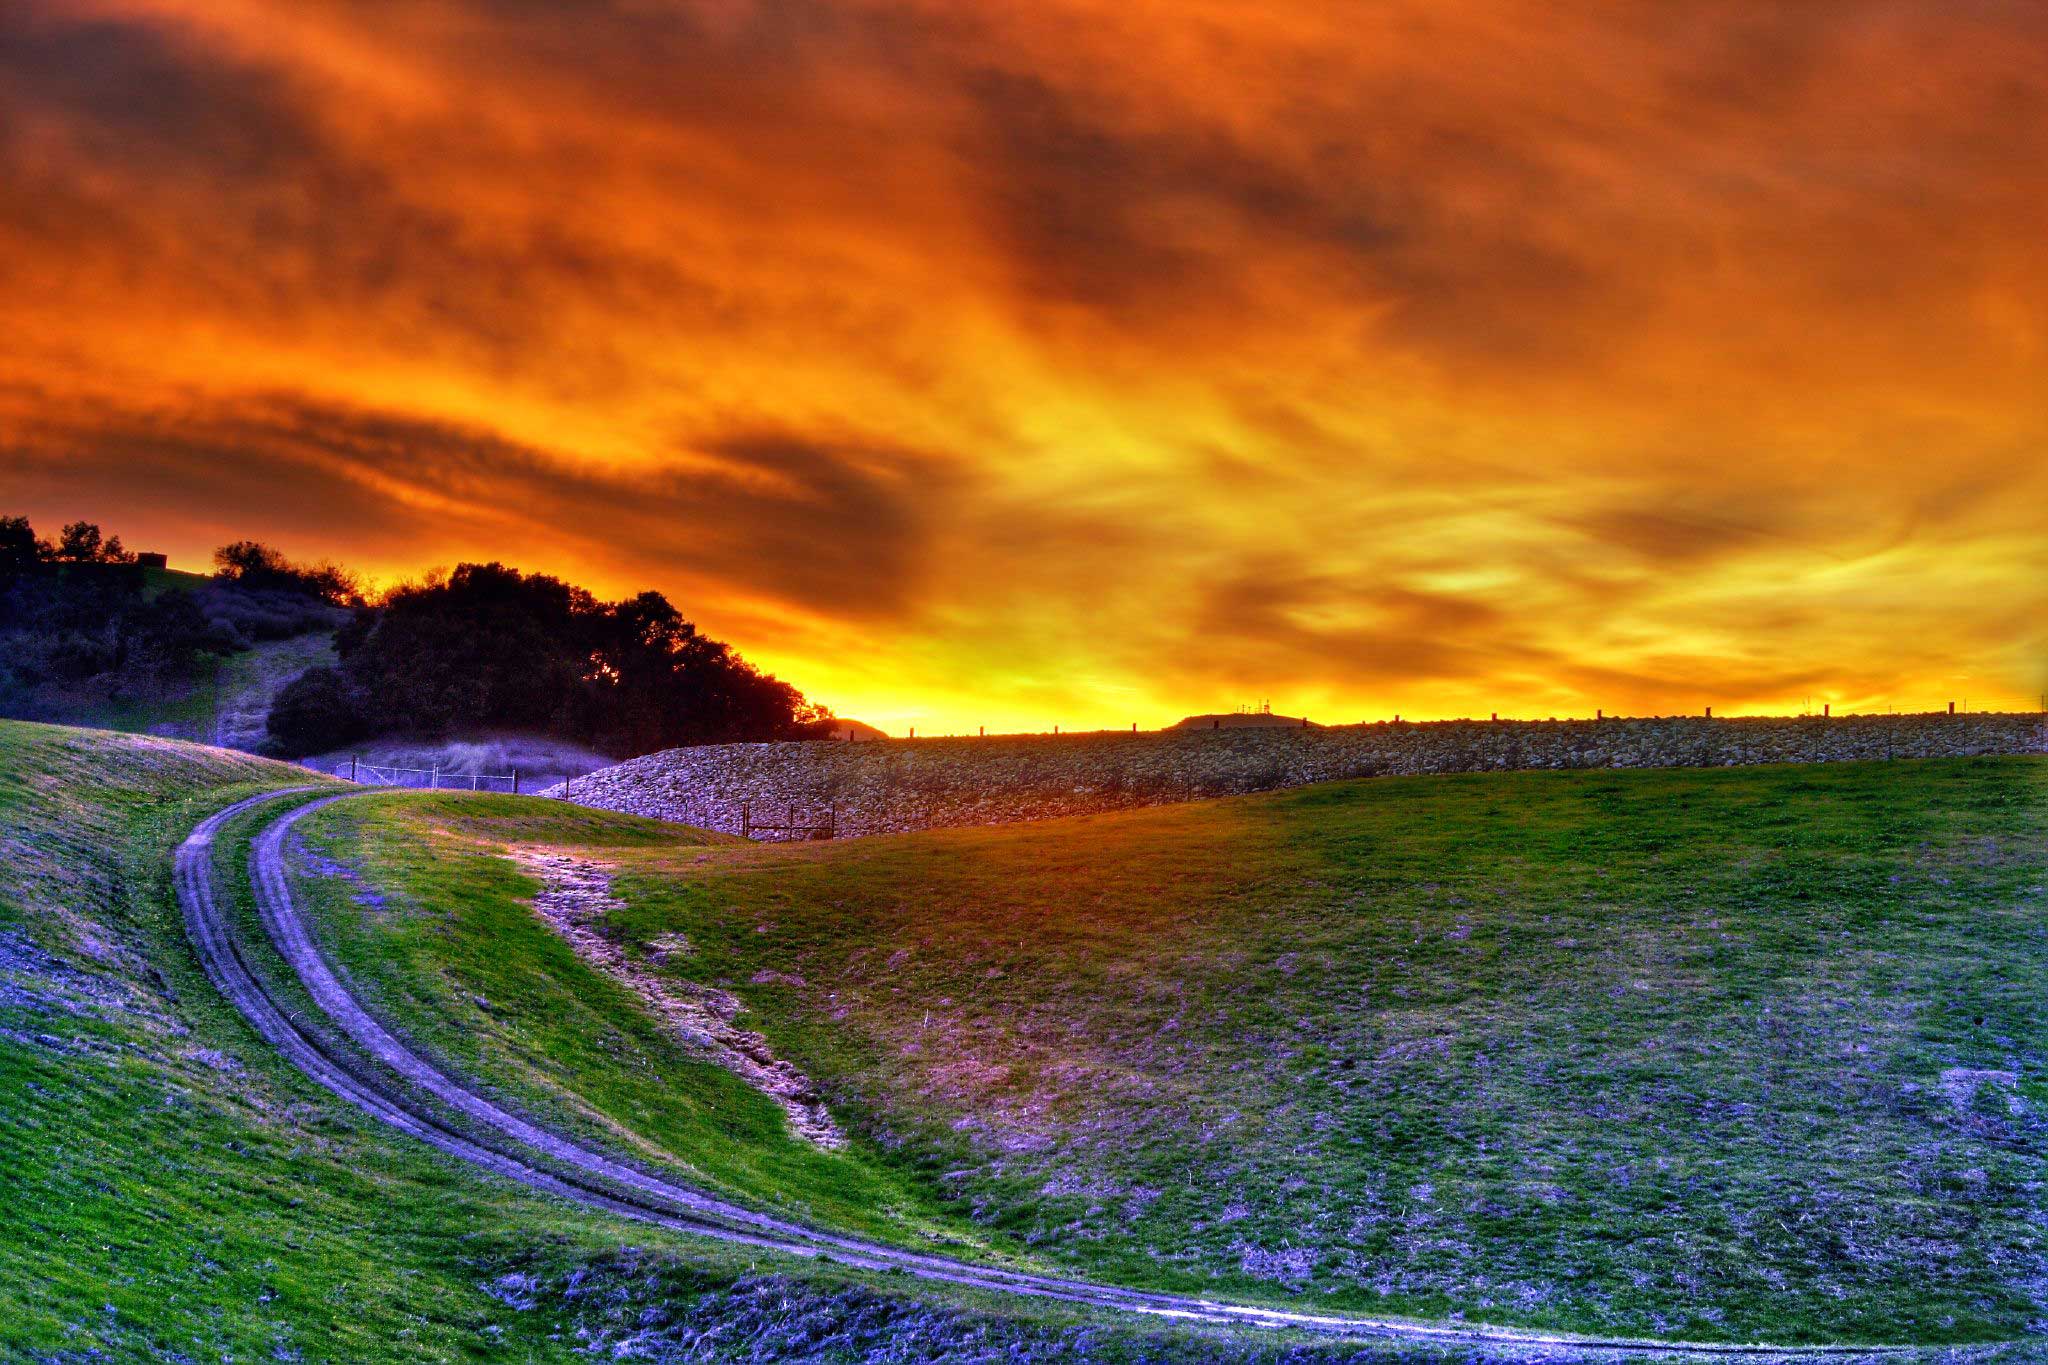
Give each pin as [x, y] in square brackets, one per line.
[898, 785]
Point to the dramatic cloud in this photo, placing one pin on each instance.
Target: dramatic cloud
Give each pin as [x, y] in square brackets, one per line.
[1072, 361]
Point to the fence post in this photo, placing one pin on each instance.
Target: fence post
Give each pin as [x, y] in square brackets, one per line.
[351, 767]
[746, 820]
[475, 778]
[434, 777]
[515, 781]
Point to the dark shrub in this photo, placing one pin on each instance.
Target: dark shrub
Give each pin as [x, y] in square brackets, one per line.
[318, 710]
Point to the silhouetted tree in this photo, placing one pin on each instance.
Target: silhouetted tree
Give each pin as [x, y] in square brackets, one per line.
[489, 646]
[80, 543]
[20, 551]
[252, 564]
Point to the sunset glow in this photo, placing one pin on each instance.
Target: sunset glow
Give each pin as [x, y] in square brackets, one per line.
[1079, 362]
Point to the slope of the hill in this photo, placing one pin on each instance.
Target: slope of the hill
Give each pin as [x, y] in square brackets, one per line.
[1723, 1055]
[883, 788]
[226, 705]
[151, 650]
[175, 1192]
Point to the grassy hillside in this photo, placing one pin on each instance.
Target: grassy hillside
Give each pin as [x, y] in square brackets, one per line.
[227, 704]
[1717, 1054]
[445, 944]
[157, 651]
[172, 1192]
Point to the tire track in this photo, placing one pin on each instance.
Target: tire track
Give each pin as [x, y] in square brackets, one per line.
[406, 1091]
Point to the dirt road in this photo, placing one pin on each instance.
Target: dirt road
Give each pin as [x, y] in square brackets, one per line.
[385, 1077]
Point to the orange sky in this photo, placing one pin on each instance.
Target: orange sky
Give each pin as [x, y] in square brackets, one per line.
[1079, 361]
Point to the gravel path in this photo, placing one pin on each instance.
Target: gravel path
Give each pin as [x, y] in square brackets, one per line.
[396, 1085]
[251, 682]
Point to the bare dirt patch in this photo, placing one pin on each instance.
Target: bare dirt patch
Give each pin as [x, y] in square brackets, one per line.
[575, 897]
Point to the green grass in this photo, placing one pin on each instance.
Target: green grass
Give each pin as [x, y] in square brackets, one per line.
[173, 1192]
[443, 944]
[1653, 1052]
[171, 1189]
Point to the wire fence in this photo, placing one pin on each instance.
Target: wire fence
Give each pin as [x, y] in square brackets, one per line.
[516, 782]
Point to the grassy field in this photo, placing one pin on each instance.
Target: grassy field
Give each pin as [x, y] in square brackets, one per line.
[1717, 1054]
[174, 1193]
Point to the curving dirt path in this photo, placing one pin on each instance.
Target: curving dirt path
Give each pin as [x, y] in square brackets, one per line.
[383, 1076]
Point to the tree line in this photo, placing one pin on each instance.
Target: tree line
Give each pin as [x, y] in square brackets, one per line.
[480, 647]
[82, 623]
[489, 647]
[483, 647]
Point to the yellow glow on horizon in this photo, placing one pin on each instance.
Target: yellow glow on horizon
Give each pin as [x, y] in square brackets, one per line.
[1073, 363]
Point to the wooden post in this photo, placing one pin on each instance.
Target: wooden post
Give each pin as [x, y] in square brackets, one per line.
[1710, 713]
[351, 767]
[746, 820]
[1598, 714]
[984, 732]
[515, 781]
[1951, 708]
[434, 778]
[1826, 709]
[1496, 715]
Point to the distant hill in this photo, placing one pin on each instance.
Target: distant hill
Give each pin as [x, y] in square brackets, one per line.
[1243, 720]
[91, 634]
[843, 729]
